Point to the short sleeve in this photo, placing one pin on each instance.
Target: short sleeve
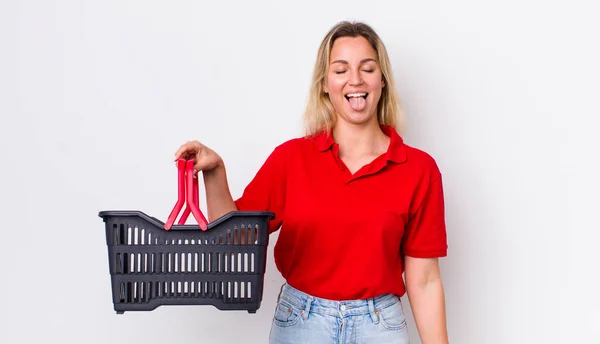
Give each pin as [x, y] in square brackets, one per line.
[425, 233]
[266, 191]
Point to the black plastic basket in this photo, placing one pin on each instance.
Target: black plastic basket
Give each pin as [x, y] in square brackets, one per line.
[154, 263]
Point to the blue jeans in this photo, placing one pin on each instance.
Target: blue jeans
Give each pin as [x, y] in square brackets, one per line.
[302, 318]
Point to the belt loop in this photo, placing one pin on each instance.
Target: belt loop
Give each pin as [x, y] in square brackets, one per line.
[374, 316]
[307, 306]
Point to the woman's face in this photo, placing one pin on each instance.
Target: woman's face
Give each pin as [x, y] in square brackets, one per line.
[354, 80]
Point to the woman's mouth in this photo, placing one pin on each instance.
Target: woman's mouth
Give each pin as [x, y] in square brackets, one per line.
[357, 100]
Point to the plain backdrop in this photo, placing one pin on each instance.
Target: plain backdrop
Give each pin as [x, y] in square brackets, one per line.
[96, 96]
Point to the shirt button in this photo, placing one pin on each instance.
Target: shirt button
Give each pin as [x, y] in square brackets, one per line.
[343, 308]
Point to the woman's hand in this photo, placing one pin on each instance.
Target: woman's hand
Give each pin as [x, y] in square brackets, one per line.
[205, 159]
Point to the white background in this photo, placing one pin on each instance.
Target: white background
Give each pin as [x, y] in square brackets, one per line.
[96, 96]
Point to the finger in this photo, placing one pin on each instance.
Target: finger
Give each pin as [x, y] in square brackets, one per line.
[180, 151]
[184, 149]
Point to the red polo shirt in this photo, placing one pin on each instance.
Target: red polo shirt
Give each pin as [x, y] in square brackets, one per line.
[343, 236]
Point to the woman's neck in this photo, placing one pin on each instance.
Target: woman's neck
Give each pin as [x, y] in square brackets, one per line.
[357, 141]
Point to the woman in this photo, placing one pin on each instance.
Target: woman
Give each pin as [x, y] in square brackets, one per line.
[356, 207]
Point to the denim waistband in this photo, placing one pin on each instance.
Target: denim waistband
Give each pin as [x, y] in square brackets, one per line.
[309, 303]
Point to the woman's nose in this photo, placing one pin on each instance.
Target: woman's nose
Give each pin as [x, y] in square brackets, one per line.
[355, 78]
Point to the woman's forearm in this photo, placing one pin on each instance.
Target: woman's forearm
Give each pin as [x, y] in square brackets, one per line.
[428, 306]
[218, 197]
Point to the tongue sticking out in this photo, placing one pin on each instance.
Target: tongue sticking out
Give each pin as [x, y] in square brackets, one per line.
[357, 103]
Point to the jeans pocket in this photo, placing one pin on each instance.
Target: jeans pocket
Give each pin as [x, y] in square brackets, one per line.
[286, 314]
[392, 317]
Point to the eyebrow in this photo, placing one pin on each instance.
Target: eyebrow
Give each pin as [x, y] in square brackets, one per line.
[361, 61]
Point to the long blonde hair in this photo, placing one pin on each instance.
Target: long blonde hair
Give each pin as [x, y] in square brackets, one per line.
[320, 115]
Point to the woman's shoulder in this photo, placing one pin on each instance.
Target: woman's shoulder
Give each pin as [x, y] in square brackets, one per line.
[421, 159]
[296, 144]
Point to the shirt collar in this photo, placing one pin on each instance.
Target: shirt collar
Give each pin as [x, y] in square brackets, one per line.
[396, 151]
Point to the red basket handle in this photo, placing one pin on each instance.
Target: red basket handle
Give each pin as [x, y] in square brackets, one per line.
[187, 192]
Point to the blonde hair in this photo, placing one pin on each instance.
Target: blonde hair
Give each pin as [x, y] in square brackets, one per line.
[320, 115]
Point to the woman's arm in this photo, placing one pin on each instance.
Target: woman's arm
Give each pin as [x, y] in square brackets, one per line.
[265, 192]
[218, 197]
[426, 295]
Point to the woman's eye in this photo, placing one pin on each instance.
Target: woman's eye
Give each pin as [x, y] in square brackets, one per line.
[368, 70]
[340, 71]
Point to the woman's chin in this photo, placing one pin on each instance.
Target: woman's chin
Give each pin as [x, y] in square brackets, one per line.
[357, 118]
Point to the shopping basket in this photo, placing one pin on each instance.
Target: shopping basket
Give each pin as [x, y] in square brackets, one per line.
[221, 263]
